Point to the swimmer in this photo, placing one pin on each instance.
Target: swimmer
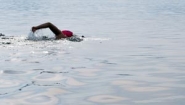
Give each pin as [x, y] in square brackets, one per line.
[58, 33]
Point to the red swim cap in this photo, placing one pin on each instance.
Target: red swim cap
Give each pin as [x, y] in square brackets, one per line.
[67, 33]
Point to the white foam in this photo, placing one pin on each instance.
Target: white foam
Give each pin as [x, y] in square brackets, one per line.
[33, 36]
[75, 38]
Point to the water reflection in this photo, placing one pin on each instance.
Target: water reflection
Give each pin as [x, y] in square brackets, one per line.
[44, 97]
[7, 83]
[161, 99]
[136, 86]
[87, 72]
[106, 99]
[74, 82]
[48, 77]
[13, 72]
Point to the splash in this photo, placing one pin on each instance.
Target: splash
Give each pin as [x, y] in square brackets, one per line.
[75, 38]
[37, 36]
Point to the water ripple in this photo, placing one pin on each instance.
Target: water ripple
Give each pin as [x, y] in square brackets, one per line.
[106, 99]
[45, 97]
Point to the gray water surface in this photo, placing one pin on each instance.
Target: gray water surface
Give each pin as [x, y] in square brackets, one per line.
[133, 53]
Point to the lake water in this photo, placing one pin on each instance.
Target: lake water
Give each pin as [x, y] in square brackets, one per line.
[133, 53]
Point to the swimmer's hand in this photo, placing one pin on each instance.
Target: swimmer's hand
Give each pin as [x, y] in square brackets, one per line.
[34, 29]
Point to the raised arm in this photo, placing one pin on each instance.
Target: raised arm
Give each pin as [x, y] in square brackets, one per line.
[52, 27]
[49, 25]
